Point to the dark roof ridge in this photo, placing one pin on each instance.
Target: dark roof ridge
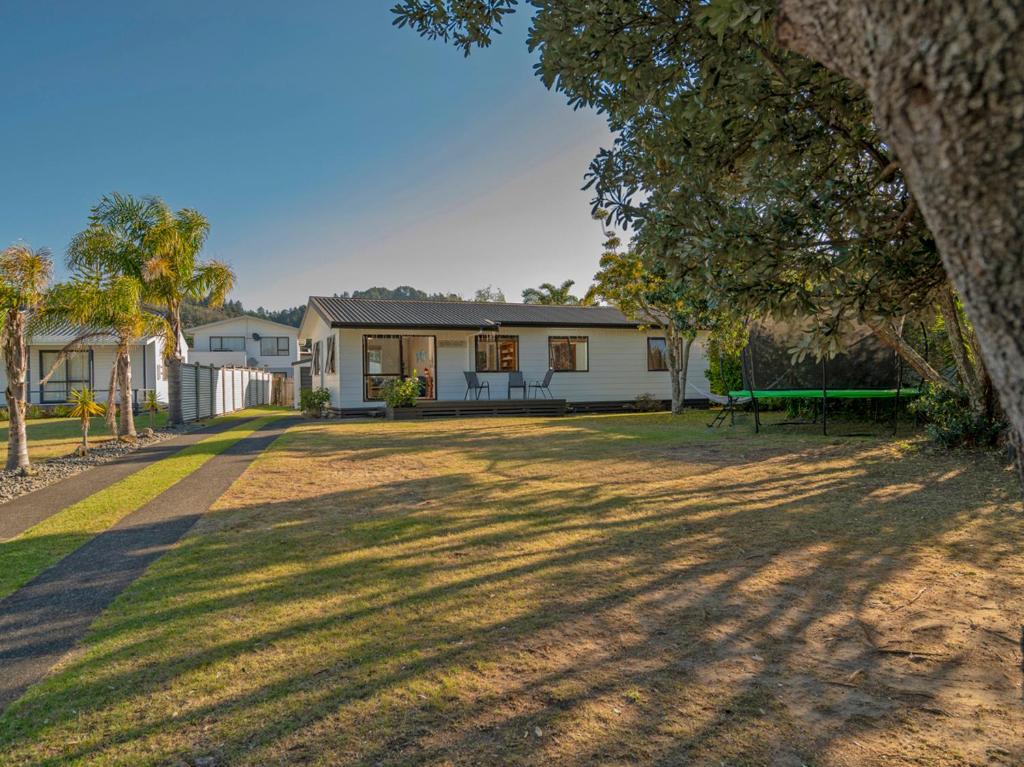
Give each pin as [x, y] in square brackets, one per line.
[459, 301]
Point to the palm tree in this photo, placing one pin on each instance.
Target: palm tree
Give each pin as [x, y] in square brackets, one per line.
[161, 248]
[152, 405]
[549, 294]
[84, 407]
[100, 300]
[24, 274]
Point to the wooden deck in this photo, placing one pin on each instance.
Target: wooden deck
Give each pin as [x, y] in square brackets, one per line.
[478, 408]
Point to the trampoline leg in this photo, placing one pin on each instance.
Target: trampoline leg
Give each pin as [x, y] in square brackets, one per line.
[757, 415]
[824, 416]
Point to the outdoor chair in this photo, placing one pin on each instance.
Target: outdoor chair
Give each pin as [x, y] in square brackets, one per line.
[516, 381]
[543, 388]
[475, 385]
[728, 403]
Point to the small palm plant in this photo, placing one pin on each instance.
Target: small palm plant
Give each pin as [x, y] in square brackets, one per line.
[152, 406]
[84, 407]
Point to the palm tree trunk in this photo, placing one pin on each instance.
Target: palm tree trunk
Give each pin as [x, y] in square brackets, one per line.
[15, 351]
[958, 345]
[173, 359]
[124, 364]
[111, 414]
[85, 434]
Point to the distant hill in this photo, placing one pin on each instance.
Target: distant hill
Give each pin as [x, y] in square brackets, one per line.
[200, 313]
[193, 314]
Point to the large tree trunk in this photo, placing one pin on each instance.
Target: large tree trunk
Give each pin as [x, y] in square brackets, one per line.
[945, 81]
[15, 352]
[684, 370]
[673, 353]
[124, 375]
[173, 359]
[893, 338]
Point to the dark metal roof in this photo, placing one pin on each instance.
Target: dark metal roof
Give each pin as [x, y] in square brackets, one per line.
[465, 315]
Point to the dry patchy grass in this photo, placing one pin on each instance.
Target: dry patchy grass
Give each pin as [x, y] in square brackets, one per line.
[604, 590]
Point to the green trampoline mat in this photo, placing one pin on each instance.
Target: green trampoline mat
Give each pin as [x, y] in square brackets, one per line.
[819, 393]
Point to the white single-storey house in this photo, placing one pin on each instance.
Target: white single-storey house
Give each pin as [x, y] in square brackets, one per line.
[246, 342]
[598, 355]
[89, 367]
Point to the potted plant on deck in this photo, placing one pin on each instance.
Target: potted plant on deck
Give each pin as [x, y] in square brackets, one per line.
[400, 397]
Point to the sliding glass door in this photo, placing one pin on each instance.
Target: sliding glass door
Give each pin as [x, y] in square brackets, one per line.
[388, 358]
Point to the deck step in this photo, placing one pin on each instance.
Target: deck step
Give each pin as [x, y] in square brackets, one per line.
[479, 408]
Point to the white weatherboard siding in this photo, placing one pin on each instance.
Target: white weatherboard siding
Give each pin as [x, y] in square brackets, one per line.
[148, 369]
[618, 364]
[252, 356]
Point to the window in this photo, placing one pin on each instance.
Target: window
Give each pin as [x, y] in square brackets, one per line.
[388, 358]
[657, 354]
[227, 343]
[316, 358]
[74, 372]
[496, 354]
[275, 346]
[329, 366]
[569, 354]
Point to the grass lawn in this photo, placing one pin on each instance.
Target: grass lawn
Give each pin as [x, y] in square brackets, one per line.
[610, 590]
[54, 437]
[24, 557]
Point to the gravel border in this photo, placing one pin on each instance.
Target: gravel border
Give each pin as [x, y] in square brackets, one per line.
[50, 470]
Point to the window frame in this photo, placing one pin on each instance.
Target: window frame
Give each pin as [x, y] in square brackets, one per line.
[68, 382]
[497, 339]
[568, 339]
[315, 357]
[664, 340]
[330, 356]
[277, 342]
[221, 340]
[401, 362]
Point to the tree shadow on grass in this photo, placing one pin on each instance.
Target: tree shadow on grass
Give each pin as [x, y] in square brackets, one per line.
[450, 618]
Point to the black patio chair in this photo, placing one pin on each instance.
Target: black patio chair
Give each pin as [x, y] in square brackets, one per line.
[516, 381]
[474, 384]
[543, 387]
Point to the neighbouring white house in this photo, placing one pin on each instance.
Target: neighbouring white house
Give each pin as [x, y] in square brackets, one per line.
[598, 355]
[89, 366]
[246, 342]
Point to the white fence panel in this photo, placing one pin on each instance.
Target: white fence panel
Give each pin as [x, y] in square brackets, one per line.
[208, 390]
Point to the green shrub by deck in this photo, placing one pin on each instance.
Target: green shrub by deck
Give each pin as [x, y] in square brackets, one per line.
[401, 392]
[313, 401]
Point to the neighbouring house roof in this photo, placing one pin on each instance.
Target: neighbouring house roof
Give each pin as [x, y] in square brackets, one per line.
[242, 317]
[65, 332]
[464, 315]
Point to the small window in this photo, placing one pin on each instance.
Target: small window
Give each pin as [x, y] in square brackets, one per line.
[569, 354]
[497, 354]
[275, 346]
[227, 343]
[316, 358]
[329, 366]
[657, 354]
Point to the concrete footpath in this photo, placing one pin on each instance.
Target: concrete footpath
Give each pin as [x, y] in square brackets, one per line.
[25, 511]
[44, 619]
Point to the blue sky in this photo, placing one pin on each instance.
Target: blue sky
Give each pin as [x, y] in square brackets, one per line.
[330, 150]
